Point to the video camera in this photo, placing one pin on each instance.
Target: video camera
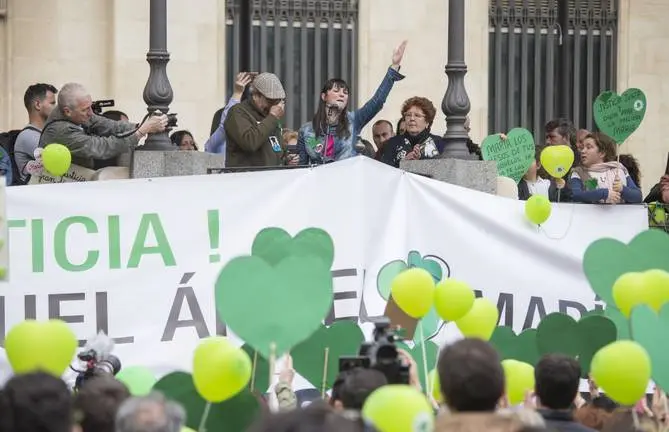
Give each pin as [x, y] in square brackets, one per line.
[380, 354]
[97, 359]
[99, 104]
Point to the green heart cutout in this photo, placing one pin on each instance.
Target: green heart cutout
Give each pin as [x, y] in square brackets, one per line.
[281, 305]
[560, 333]
[514, 155]
[619, 116]
[431, 351]
[650, 331]
[259, 382]
[605, 260]
[274, 244]
[521, 347]
[342, 338]
[622, 324]
[233, 415]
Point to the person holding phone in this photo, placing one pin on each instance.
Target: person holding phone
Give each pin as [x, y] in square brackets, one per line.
[290, 144]
[253, 127]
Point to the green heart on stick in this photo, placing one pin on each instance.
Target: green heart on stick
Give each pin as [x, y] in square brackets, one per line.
[274, 244]
[514, 155]
[431, 351]
[650, 331]
[342, 338]
[233, 415]
[619, 116]
[521, 347]
[260, 379]
[278, 305]
[605, 260]
[560, 333]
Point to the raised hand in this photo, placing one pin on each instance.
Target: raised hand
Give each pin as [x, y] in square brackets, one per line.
[398, 53]
[241, 81]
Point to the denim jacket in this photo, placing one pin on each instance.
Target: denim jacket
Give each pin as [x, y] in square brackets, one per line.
[311, 145]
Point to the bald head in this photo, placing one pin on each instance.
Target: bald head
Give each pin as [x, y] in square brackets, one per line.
[75, 103]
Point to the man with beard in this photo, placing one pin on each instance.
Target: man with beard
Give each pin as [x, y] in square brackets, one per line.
[253, 127]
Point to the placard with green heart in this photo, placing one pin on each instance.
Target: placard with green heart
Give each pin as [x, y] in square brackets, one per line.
[233, 415]
[274, 244]
[521, 347]
[342, 338]
[514, 155]
[278, 305]
[260, 378]
[622, 324]
[605, 260]
[650, 331]
[560, 333]
[431, 351]
[619, 116]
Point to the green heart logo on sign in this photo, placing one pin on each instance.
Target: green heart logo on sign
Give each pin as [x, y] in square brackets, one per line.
[521, 347]
[431, 351]
[233, 415]
[560, 333]
[605, 260]
[281, 305]
[650, 331]
[619, 116]
[514, 155]
[260, 379]
[342, 338]
[274, 244]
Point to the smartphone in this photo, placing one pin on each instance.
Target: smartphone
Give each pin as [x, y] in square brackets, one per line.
[291, 149]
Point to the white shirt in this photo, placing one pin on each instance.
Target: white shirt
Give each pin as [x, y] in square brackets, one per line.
[538, 187]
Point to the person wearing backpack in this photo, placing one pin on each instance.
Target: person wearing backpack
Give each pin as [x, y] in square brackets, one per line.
[40, 100]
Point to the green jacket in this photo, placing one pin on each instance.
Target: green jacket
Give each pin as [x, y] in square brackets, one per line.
[93, 140]
[253, 139]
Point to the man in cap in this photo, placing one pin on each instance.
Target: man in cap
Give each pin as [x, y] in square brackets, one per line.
[253, 127]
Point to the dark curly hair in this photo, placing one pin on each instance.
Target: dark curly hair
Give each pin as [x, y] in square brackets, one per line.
[632, 165]
[424, 104]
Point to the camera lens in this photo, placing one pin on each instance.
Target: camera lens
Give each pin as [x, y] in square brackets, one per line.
[386, 353]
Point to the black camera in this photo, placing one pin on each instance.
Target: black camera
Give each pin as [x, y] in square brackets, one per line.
[380, 354]
[98, 105]
[95, 366]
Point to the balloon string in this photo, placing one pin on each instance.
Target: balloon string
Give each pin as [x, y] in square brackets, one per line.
[325, 372]
[558, 196]
[203, 420]
[564, 235]
[272, 361]
[253, 371]
[635, 418]
[423, 351]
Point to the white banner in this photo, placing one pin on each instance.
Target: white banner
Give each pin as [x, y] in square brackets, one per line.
[138, 258]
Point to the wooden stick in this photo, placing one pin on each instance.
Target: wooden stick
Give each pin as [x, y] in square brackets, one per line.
[272, 361]
[253, 370]
[203, 420]
[325, 372]
[422, 347]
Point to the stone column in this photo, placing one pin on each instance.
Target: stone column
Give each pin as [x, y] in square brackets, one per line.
[456, 104]
[158, 91]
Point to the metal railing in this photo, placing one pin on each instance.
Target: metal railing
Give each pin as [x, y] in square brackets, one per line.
[303, 42]
[658, 216]
[524, 44]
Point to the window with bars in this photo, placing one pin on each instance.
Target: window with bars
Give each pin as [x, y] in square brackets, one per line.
[525, 39]
[303, 42]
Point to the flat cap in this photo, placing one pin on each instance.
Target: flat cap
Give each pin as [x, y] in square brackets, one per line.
[269, 86]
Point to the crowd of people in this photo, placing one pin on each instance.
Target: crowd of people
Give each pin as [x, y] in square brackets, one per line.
[471, 382]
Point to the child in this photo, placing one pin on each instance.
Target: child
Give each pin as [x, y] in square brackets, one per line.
[533, 184]
[600, 179]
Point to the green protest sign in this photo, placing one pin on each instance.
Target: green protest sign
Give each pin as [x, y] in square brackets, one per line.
[514, 155]
[618, 116]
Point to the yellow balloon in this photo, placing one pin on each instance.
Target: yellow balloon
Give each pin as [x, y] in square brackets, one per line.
[480, 321]
[47, 346]
[413, 291]
[398, 408]
[519, 380]
[557, 160]
[436, 387]
[630, 290]
[56, 159]
[657, 288]
[538, 209]
[220, 369]
[622, 369]
[453, 299]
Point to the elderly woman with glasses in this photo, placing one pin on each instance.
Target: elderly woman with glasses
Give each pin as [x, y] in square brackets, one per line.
[416, 142]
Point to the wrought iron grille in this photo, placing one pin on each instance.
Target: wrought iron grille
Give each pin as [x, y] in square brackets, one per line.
[303, 42]
[524, 43]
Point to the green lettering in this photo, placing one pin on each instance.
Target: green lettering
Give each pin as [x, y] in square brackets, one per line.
[60, 244]
[114, 231]
[37, 240]
[151, 221]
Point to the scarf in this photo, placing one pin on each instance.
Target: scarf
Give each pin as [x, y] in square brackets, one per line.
[606, 174]
[428, 148]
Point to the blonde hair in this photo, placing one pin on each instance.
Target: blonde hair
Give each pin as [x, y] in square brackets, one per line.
[288, 135]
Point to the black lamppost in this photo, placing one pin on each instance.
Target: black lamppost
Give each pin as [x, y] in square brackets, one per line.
[158, 91]
[456, 104]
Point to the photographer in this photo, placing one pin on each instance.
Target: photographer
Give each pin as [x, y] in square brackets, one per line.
[90, 136]
[352, 387]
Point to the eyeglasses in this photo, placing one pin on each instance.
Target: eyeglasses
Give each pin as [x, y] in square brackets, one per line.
[410, 115]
